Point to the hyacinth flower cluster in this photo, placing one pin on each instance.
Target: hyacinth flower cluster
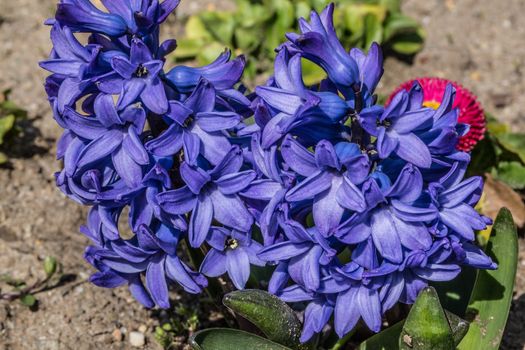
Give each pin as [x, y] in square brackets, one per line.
[354, 206]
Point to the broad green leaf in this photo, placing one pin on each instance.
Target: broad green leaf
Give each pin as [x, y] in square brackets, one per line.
[50, 265]
[269, 313]
[387, 339]
[492, 295]
[6, 124]
[230, 339]
[458, 326]
[426, 326]
[28, 300]
[512, 173]
[514, 143]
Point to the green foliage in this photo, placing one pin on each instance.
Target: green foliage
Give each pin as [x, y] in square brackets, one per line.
[257, 27]
[500, 153]
[426, 326]
[268, 313]
[9, 114]
[492, 294]
[231, 339]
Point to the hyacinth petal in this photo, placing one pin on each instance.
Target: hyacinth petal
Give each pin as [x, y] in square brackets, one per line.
[457, 223]
[385, 238]
[410, 213]
[179, 201]
[297, 157]
[134, 147]
[279, 278]
[327, 211]
[314, 184]
[238, 266]
[127, 168]
[325, 155]
[214, 145]
[156, 283]
[262, 189]
[217, 121]
[369, 307]
[236, 182]
[168, 143]
[283, 251]
[230, 163]
[350, 197]
[477, 258]
[140, 293]
[154, 96]
[130, 92]
[408, 185]
[413, 150]
[311, 268]
[100, 147]
[459, 193]
[229, 210]
[82, 16]
[194, 177]
[214, 264]
[294, 294]
[123, 66]
[200, 222]
[192, 147]
[390, 296]
[316, 316]
[107, 279]
[438, 272]
[411, 120]
[386, 144]
[414, 235]
[69, 91]
[176, 271]
[346, 312]
[279, 99]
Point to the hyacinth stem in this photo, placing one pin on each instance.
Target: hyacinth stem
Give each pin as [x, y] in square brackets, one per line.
[342, 342]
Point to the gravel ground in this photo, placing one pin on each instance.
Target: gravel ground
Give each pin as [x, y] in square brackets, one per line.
[476, 42]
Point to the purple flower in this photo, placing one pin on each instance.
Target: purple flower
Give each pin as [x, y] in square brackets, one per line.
[197, 126]
[211, 194]
[231, 252]
[140, 77]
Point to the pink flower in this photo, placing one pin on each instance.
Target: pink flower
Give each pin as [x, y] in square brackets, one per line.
[470, 111]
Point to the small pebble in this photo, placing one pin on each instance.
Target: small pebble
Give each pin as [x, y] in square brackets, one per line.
[143, 328]
[137, 339]
[117, 335]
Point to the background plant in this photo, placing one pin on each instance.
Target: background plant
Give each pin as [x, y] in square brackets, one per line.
[256, 28]
[10, 113]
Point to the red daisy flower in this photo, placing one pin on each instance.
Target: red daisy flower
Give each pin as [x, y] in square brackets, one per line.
[470, 111]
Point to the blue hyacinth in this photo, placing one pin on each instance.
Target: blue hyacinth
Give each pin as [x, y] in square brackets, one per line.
[355, 206]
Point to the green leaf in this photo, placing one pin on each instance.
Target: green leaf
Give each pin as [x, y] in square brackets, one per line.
[188, 48]
[398, 23]
[28, 300]
[514, 143]
[269, 313]
[195, 29]
[409, 43]
[230, 339]
[393, 6]
[512, 173]
[209, 53]
[458, 326]
[426, 326]
[50, 265]
[373, 30]
[492, 295]
[3, 158]
[385, 340]
[6, 124]
[220, 25]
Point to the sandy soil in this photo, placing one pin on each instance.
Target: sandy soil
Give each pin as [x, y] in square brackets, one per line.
[478, 43]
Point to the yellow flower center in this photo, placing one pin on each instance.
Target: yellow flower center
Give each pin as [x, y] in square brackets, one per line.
[432, 104]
